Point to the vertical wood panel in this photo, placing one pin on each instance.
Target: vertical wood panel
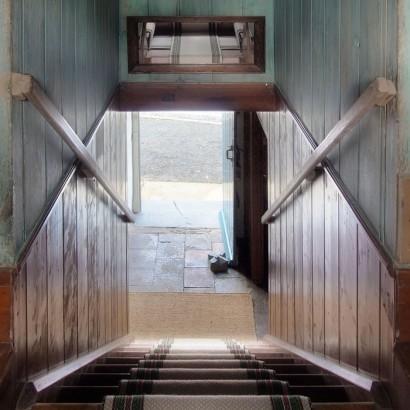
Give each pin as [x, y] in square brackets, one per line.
[68, 79]
[82, 267]
[318, 247]
[370, 127]
[349, 91]
[332, 70]
[70, 271]
[298, 240]
[55, 270]
[331, 270]
[368, 306]
[318, 63]
[92, 262]
[348, 285]
[37, 307]
[34, 126]
[306, 110]
[386, 324]
[52, 86]
[20, 323]
[81, 51]
[290, 237]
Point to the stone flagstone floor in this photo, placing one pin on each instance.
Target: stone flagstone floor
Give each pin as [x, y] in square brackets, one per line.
[176, 260]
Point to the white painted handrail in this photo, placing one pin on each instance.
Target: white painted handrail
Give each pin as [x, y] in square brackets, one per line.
[379, 92]
[24, 87]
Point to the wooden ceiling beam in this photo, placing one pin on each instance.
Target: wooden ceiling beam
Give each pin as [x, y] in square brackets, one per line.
[192, 97]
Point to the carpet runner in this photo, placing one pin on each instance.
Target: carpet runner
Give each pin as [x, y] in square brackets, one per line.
[178, 375]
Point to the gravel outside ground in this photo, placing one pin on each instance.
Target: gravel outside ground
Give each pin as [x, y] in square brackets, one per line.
[181, 147]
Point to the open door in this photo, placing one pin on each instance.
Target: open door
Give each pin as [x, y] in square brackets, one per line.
[226, 215]
[245, 198]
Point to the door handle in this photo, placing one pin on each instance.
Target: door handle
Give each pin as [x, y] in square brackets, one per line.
[229, 153]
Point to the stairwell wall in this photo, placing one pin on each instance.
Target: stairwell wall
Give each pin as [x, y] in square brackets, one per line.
[67, 295]
[331, 291]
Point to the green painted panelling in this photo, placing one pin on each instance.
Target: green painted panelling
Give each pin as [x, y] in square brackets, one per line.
[322, 67]
[404, 85]
[194, 8]
[71, 48]
[197, 8]
[6, 139]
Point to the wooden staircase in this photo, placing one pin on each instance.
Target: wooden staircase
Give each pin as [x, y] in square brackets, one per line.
[185, 371]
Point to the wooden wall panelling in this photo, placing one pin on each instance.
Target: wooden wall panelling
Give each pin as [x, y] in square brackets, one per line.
[114, 228]
[163, 8]
[289, 48]
[306, 63]
[349, 91]
[68, 74]
[190, 8]
[391, 131]
[307, 268]
[290, 235]
[93, 305]
[331, 244]
[298, 245]
[402, 310]
[34, 126]
[55, 291]
[280, 41]
[100, 239]
[318, 63]
[82, 265]
[52, 87]
[318, 254]
[371, 127]
[81, 49]
[70, 271]
[297, 54]
[332, 70]
[387, 303]
[348, 285]
[18, 144]
[20, 323]
[277, 187]
[37, 333]
[6, 297]
[283, 232]
[368, 306]
[91, 65]
[107, 237]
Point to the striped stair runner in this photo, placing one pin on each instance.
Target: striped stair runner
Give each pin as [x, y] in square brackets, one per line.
[201, 374]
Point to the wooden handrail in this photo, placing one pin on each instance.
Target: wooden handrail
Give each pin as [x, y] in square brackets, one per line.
[25, 87]
[379, 92]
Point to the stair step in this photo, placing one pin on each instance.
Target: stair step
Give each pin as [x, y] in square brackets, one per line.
[202, 364]
[203, 387]
[120, 360]
[85, 394]
[202, 374]
[95, 379]
[308, 379]
[293, 368]
[211, 402]
[344, 406]
[109, 368]
[321, 394]
[198, 356]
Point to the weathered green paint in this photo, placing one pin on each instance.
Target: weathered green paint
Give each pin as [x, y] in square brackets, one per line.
[197, 8]
[403, 105]
[6, 138]
[71, 48]
[341, 47]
